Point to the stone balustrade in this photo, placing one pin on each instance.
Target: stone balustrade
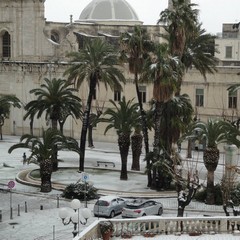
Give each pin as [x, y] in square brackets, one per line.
[165, 226]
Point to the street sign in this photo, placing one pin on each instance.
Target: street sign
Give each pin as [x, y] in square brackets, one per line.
[85, 177]
[11, 184]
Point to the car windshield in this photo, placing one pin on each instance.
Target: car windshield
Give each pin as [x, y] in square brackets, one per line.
[102, 203]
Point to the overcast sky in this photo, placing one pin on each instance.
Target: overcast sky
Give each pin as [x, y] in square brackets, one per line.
[212, 12]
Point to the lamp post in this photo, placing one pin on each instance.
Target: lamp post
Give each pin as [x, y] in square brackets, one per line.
[72, 216]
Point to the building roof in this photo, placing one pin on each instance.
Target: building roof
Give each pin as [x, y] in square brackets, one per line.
[108, 11]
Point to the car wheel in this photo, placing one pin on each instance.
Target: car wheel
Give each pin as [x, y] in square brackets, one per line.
[144, 215]
[112, 214]
[160, 211]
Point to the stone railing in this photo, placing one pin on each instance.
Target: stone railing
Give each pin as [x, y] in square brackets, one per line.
[164, 226]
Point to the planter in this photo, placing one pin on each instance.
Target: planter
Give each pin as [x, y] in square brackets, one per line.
[195, 234]
[149, 234]
[107, 235]
[106, 229]
[126, 235]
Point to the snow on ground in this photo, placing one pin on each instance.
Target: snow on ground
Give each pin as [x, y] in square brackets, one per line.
[35, 214]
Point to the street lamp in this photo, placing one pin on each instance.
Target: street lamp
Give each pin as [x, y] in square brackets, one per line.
[72, 216]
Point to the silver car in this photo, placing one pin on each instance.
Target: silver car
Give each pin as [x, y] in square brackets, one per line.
[140, 207]
[108, 206]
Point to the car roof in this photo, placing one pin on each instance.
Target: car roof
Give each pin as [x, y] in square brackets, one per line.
[139, 202]
[108, 198]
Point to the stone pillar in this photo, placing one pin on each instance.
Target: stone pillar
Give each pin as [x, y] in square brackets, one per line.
[230, 163]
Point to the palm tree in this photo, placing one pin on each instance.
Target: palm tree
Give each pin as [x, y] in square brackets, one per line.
[42, 150]
[176, 117]
[57, 101]
[214, 132]
[123, 118]
[96, 62]
[180, 22]
[187, 40]
[199, 52]
[136, 144]
[135, 49]
[6, 101]
[163, 70]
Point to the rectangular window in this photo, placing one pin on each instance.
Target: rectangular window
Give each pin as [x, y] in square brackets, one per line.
[232, 100]
[199, 97]
[117, 96]
[143, 94]
[228, 52]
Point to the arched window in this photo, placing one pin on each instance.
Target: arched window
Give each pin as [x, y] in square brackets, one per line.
[55, 37]
[6, 45]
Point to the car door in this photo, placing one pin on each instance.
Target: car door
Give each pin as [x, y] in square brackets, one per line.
[150, 208]
[121, 204]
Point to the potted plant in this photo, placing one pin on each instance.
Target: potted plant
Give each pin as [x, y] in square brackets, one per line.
[126, 235]
[149, 234]
[106, 229]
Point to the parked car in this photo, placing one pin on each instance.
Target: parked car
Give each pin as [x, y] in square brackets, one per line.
[109, 206]
[140, 207]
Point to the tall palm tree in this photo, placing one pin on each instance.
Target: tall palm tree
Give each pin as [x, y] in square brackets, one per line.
[163, 70]
[214, 132]
[180, 22]
[136, 145]
[199, 52]
[187, 39]
[55, 99]
[96, 62]
[176, 117]
[6, 101]
[123, 118]
[42, 150]
[135, 49]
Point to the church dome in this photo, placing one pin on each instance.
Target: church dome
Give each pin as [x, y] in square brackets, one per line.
[107, 11]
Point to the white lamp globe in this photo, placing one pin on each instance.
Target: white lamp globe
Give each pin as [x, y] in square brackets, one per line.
[74, 217]
[86, 213]
[63, 213]
[75, 204]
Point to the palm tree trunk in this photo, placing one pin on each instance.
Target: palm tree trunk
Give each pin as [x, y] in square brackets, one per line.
[90, 136]
[86, 115]
[210, 188]
[189, 148]
[1, 124]
[136, 140]
[144, 129]
[156, 144]
[124, 143]
[45, 174]
[1, 132]
[31, 126]
[55, 151]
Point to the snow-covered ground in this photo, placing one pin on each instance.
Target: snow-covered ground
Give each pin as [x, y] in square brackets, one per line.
[35, 214]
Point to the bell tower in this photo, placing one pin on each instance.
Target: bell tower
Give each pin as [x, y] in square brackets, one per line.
[21, 27]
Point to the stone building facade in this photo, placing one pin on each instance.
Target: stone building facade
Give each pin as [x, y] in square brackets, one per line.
[32, 49]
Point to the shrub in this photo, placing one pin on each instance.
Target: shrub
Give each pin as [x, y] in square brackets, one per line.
[218, 195]
[201, 194]
[77, 190]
